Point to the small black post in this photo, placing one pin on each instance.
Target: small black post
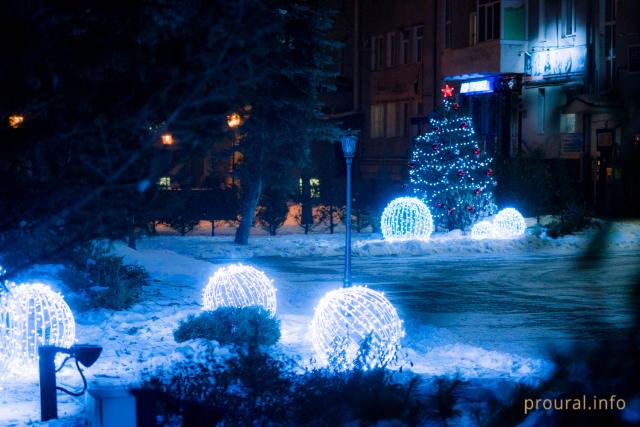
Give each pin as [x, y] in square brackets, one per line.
[48, 398]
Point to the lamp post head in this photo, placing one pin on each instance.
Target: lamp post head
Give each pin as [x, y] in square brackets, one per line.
[349, 144]
[234, 120]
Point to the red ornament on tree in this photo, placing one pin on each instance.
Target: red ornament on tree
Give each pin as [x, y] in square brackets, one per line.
[464, 125]
[439, 205]
[435, 147]
[476, 151]
[489, 172]
[436, 128]
[469, 208]
[461, 173]
[447, 91]
[456, 105]
[450, 211]
[477, 191]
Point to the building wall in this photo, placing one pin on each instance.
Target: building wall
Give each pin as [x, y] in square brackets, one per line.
[394, 90]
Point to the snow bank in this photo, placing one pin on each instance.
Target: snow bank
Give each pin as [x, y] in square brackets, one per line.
[624, 235]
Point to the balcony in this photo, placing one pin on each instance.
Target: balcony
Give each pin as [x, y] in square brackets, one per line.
[486, 58]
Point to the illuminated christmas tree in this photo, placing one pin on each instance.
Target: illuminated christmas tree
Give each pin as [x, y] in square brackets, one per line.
[449, 170]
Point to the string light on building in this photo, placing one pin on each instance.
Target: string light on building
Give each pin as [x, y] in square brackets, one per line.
[509, 223]
[406, 218]
[167, 139]
[16, 121]
[239, 285]
[483, 230]
[347, 317]
[39, 316]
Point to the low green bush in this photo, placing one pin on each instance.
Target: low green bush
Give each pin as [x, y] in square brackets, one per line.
[231, 325]
[574, 218]
[103, 278]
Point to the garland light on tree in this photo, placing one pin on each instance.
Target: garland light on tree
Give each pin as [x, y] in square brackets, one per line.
[450, 171]
[352, 322]
[239, 285]
[406, 218]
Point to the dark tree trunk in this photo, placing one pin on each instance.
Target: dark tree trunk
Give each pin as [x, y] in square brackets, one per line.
[249, 205]
[213, 227]
[331, 220]
[131, 231]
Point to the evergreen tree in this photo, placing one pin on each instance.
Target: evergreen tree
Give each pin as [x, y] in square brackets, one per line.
[449, 171]
[285, 109]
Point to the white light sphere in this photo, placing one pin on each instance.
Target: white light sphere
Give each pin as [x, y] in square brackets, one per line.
[239, 285]
[483, 230]
[7, 333]
[406, 218]
[345, 317]
[40, 316]
[509, 223]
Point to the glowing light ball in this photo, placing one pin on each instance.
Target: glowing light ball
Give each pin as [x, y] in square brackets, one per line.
[483, 230]
[39, 316]
[239, 285]
[509, 223]
[406, 218]
[7, 336]
[345, 317]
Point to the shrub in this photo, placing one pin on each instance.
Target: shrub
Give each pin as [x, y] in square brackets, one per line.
[231, 325]
[104, 279]
[574, 217]
[273, 210]
[255, 388]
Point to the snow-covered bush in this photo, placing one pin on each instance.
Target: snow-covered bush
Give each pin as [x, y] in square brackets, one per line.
[103, 279]
[574, 218]
[231, 325]
[257, 388]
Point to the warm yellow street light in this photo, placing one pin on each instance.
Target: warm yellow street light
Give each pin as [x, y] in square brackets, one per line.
[167, 139]
[16, 120]
[233, 120]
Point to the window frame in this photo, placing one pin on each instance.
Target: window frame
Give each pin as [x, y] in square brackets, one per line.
[566, 32]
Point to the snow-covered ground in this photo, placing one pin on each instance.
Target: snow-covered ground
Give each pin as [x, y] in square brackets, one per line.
[487, 310]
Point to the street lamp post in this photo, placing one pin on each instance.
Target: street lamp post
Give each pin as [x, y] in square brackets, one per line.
[349, 143]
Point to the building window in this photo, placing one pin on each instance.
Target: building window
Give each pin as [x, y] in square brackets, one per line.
[392, 49]
[165, 182]
[541, 111]
[569, 17]
[567, 123]
[378, 54]
[609, 42]
[314, 188]
[405, 48]
[473, 29]
[488, 20]
[448, 16]
[391, 119]
[419, 35]
[377, 121]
